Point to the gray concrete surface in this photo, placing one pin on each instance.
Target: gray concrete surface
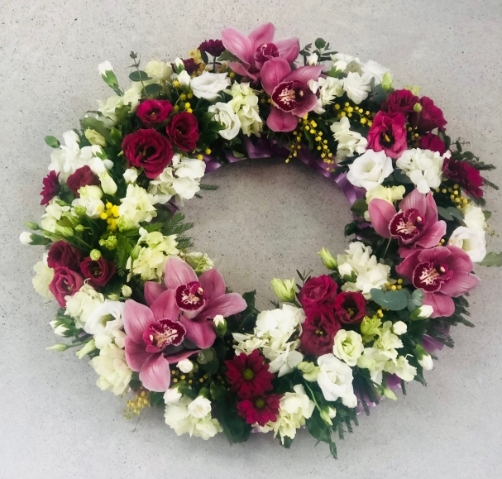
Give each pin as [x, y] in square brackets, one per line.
[266, 220]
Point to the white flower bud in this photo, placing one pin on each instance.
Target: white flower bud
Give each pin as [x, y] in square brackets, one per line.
[185, 365]
[399, 328]
[107, 184]
[426, 362]
[126, 291]
[284, 289]
[179, 66]
[130, 175]
[105, 67]
[172, 396]
[25, 238]
[58, 347]
[88, 347]
[312, 59]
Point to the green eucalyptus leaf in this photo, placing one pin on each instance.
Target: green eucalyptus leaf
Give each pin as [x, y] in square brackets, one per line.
[456, 213]
[320, 43]
[153, 89]
[445, 213]
[415, 300]
[157, 399]
[52, 141]
[392, 300]
[139, 76]
[492, 259]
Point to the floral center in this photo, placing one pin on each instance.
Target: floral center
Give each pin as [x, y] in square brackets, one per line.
[266, 52]
[406, 225]
[387, 139]
[248, 374]
[288, 95]
[260, 403]
[190, 296]
[320, 332]
[430, 277]
[164, 333]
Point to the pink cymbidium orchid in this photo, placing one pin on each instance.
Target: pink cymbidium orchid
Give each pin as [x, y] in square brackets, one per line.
[291, 96]
[256, 49]
[441, 273]
[414, 225]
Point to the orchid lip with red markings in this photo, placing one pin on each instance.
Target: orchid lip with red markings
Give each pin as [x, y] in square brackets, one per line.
[407, 225]
[289, 95]
[430, 276]
[161, 334]
[190, 297]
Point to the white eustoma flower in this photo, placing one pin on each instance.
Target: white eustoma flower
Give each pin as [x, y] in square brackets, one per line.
[225, 116]
[130, 175]
[283, 361]
[357, 86]
[245, 104]
[200, 262]
[375, 70]
[105, 323]
[83, 303]
[131, 98]
[349, 141]
[335, 380]
[424, 167]
[158, 70]
[473, 242]
[341, 61]
[474, 218]
[348, 346]
[208, 85]
[370, 169]
[374, 360]
[53, 213]
[172, 396]
[401, 368]
[111, 365]
[90, 199]
[136, 207]
[199, 407]
[328, 89]
[43, 278]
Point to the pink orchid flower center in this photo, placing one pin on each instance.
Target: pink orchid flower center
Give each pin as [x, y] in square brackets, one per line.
[266, 52]
[190, 297]
[289, 95]
[431, 276]
[407, 225]
[161, 334]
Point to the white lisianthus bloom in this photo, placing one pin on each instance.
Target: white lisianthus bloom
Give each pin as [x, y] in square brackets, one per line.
[225, 116]
[388, 340]
[137, 207]
[43, 278]
[401, 368]
[335, 380]
[424, 167]
[399, 328]
[348, 346]
[208, 85]
[349, 141]
[130, 175]
[473, 242]
[374, 69]
[357, 86]
[200, 262]
[327, 88]
[247, 343]
[245, 104]
[374, 360]
[474, 218]
[370, 169]
[341, 61]
[284, 361]
[105, 323]
[158, 70]
[111, 365]
[53, 213]
[200, 407]
[83, 303]
[90, 199]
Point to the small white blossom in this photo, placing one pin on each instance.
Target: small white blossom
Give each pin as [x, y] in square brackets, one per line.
[357, 86]
[349, 141]
[83, 303]
[370, 169]
[245, 104]
[473, 242]
[399, 328]
[105, 323]
[335, 380]
[111, 365]
[225, 116]
[137, 207]
[208, 85]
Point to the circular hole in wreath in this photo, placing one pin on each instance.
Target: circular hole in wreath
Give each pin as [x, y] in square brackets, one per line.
[266, 220]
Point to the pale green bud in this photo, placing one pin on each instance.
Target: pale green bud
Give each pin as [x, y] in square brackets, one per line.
[387, 81]
[58, 347]
[325, 417]
[80, 228]
[417, 107]
[88, 347]
[200, 262]
[64, 231]
[389, 393]
[95, 254]
[109, 243]
[114, 296]
[32, 225]
[220, 325]
[126, 291]
[94, 137]
[310, 370]
[328, 259]
[107, 184]
[79, 210]
[369, 326]
[284, 289]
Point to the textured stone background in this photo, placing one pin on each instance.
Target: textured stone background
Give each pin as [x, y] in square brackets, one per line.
[266, 220]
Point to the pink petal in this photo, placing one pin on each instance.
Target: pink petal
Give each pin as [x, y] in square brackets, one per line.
[407, 266]
[177, 357]
[381, 214]
[414, 200]
[272, 73]
[202, 333]
[135, 354]
[237, 44]
[459, 260]
[281, 121]
[307, 104]
[432, 235]
[262, 35]
[288, 49]
[213, 284]
[137, 317]
[155, 373]
[165, 307]
[242, 69]
[431, 209]
[178, 272]
[225, 305]
[152, 291]
[441, 304]
[461, 283]
[304, 74]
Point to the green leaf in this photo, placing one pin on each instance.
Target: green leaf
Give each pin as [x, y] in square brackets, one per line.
[320, 43]
[95, 124]
[492, 259]
[226, 56]
[318, 428]
[116, 136]
[153, 89]
[217, 392]
[401, 177]
[157, 399]
[444, 213]
[204, 57]
[52, 141]
[139, 76]
[456, 213]
[415, 300]
[359, 207]
[206, 187]
[488, 214]
[392, 300]
[234, 426]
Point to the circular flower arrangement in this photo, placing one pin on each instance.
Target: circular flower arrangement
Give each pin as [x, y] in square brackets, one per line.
[157, 320]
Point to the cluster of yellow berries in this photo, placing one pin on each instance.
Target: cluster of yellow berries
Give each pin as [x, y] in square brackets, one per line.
[365, 117]
[415, 135]
[110, 215]
[188, 377]
[398, 285]
[460, 201]
[379, 313]
[136, 405]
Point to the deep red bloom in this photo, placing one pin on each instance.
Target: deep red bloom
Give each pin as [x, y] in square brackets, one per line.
[64, 254]
[98, 272]
[432, 142]
[400, 101]
[318, 331]
[350, 307]
[148, 149]
[318, 292]
[214, 47]
[429, 118]
[50, 187]
[153, 112]
[248, 375]
[468, 177]
[65, 283]
[190, 65]
[184, 131]
[81, 177]
[388, 133]
[260, 409]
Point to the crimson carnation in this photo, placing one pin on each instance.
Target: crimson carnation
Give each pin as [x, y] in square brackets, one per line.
[388, 133]
[82, 177]
[316, 292]
[350, 307]
[400, 101]
[184, 131]
[190, 65]
[148, 149]
[65, 283]
[318, 332]
[153, 112]
[63, 254]
[259, 409]
[248, 375]
[50, 187]
[432, 142]
[468, 177]
[430, 116]
[98, 272]
[214, 47]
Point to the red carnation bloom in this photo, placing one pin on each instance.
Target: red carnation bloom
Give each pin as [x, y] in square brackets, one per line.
[190, 65]
[153, 112]
[400, 101]
[432, 142]
[388, 133]
[465, 175]
[148, 149]
[248, 375]
[214, 47]
[184, 131]
[50, 187]
[98, 272]
[63, 254]
[429, 118]
[82, 177]
[350, 307]
[259, 409]
[317, 292]
[318, 332]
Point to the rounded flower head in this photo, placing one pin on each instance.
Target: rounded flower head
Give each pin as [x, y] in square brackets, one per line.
[65, 283]
[429, 117]
[318, 332]
[214, 47]
[468, 177]
[50, 188]
[62, 253]
[350, 307]
[153, 112]
[318, 292]
[370, 169]
[259, 409]
[424, 167]
[388, 134]
[183, 130]
[400, 101]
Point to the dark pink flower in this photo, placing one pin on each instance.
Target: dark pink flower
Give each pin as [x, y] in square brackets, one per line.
[183, 130]
[81, 177]
[350, 307]
[153, 112]
[65, 283]
[50, 188]
[432, 142]
[260, 409]
[319, 331]
[400, 101]
[441, 273]
[414, 225]
[468, 177]
[388, 133]
[214, 47]
[62, 253]
[317, 292]
[98, 272]
[429, 118]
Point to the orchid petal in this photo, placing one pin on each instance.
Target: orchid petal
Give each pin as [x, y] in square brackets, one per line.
[165, 307]
[308, 103]
[177, 357]
[202, 334]
[152, 291]
[459, 260]
[155, 373]
[431, 209]
[414, 200]
[178, 273]
[381, 214]
[272, 73]
[225, 305]
[262, 35]
[281, 121]
[237, 44]
[304, 74]
[460, 284]
[135, 354]
[441, 304]
[288, 49]
[137, 317]
[407, 266]
[242, 69]
[432, 235]
[213, 284]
